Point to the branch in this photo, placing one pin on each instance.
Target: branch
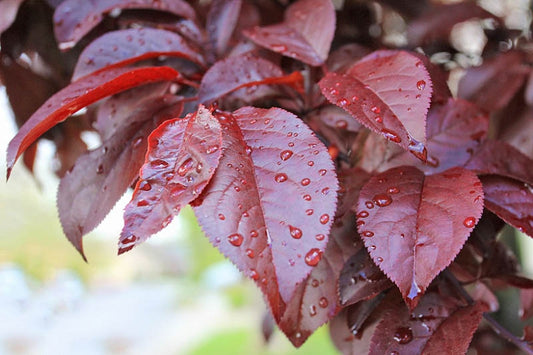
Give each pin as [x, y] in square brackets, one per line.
[496, 327]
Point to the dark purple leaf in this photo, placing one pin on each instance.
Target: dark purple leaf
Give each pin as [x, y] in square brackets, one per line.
[120, 48]
[73, 19]
[182, 157]
[78, 95]
[221, 21]
[511, 200]
[493, 84]
[305, 34]
[271, 202]
[351, 182]
[526, 304]
[388, 92]
[518, 132]
[8, 13]
[414, 225]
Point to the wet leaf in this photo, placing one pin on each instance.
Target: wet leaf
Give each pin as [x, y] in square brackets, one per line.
[78, 95]
[388, 92]
[120, 48]
[414, 225]
[305, 34]
[182, 157]
[73, 19]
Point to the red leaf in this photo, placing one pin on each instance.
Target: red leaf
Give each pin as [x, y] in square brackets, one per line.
[518, 132]
[271, 202]
[414, 225]
[351, 182]
[493, 84]
[499, 158]
[305, 34]
[361, 279]
[436, 321]
[120, 48]
[99, 177]
[511, 200]
[78, 95]
[526, 304]
[182, 157]
[73, 19]
[221, 21]
[315, 300]
[238, 72]
[8, 13]
[454, 131]
[388, 92]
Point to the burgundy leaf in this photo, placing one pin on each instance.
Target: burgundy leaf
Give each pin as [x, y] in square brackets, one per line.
[518, 132]
[526, 304]
[430, 325]
[120, 48]
[437, 23]
[499, 158]
[305, 34]
[221, 21]
[315, 300]
[387, 91]
[414, 225]
[454, 131]
[343, 57]
[99, 177]
[271, 202]
[8, 13]
[529, 89]
[439, 79]
[78, 95]
[493, 84]
[233, 73]
[344, 340]
[351, 182]
[182, 157]
[73, 19]
[361, 279]
[511, 200]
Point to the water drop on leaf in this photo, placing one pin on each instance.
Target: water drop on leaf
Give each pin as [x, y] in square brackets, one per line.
[235, 239]
[313, 257]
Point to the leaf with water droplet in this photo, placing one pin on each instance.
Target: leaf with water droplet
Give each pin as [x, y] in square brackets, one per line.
[305, 34]
[401, 116]
[78, 95]
[421, 231]
[73, 19]
[84, 196]
[283, 232]
[182, 144]
[113, 50]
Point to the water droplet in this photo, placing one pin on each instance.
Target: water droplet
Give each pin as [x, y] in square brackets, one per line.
[292, 262]
[145, 186]
[100, 169]
[334, 92]
[322, 172]
[309, 212]
[236, 239]
[323, 302]
[315, 283]
[393, 190]
[369, 204]
[305, 182]
[310, 163]
[281, 177]
[403, 335]
[254, 275]
[313, 256]
[307, 197]
[185, 167]
[250, 253]
[324, 218]
[390, 135]
[279, 47]
[342, 124]
[420, 85]
[211, 149]
[286, 154]
[296, 233]
[177, 189]
[342, 102]
[375, 109]
[320, 237]
[367, 234]
[166, 221]
[158, 164]
[128, 240]
[418, 149]
[378, 119]
[142, 203]
[253, 233]
[312, 310]
[372, 247]
[221, 216]
[379, 259]
[362, 214]
[469, 222]
[382, 200]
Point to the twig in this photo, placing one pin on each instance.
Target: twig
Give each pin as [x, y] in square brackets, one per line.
[496, 327]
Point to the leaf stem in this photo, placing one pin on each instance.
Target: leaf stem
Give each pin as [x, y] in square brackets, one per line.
[496, 327]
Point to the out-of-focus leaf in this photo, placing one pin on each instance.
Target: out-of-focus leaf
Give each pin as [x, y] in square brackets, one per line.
[221, 21]
[8, 13]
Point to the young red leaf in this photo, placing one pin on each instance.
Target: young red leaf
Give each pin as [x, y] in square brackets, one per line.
[361, 279]
[99, 177]
[73, 19]
[237, 72]
[414, 225]
[182, 157]
[78, 95]
[305, 34]
[271, 203]
[389, 92]
[511, 200]
[315, 300]
[120, 48]
[499, 158]
[221, 21]
[8, 13]
[493, 84]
